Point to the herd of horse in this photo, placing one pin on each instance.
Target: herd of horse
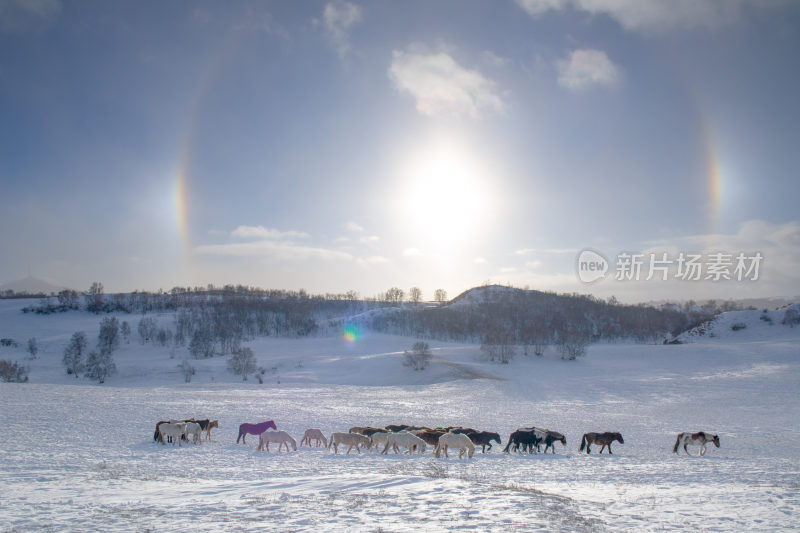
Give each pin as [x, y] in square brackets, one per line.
[411, 439]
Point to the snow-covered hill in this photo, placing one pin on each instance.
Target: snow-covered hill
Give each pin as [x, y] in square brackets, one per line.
[747, 326]
[79, 456]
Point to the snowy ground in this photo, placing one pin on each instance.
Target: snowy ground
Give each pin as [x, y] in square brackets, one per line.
[78, 456]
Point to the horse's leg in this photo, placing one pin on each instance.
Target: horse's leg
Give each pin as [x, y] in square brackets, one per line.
[609, 449]
[702, 449]
[685, 444]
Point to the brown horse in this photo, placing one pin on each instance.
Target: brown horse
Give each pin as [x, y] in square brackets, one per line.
[603, 439]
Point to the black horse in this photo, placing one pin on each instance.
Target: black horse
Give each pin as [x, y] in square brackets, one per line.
[526, 439]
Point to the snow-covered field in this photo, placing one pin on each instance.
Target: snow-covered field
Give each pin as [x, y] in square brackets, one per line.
[79, 456]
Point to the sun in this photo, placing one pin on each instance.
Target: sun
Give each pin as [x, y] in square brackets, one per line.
[445, 197]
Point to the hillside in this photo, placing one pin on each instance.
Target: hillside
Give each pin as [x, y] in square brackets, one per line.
[70, 464]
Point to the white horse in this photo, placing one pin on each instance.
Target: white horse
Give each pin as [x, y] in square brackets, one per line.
[280, 436]
[176, 430]
[455, 440]
[315, 435]
[194, 430]
[349, 439]
[699, 438]
[378, 439]
[404, 439]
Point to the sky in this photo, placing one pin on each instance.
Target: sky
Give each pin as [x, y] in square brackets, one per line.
[357, 146]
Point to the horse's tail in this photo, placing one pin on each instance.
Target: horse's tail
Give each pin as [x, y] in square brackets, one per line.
[240, 435]
[330, 441]
[505, 450]
[583, 443]
[677, 443]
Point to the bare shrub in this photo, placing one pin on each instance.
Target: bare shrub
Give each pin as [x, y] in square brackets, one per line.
[419, 357]
[187, 370]
[13, 372]
[572, 344]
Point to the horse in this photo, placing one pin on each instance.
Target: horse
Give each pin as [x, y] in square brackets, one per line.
[526, 438]
[483, 438]
[454, 440]
[394, 428]
[701, 438]
[281, 437]
[366, 430]
[379, 439]
[548, 437]
[431, 436]
[157, 436]
[254, 429]
[194, 430]
[205, 425]
[172, 430]
[604, 439]
[315, 435]
[210, 424]
[350, 439]
[405, 439]
[464, 430]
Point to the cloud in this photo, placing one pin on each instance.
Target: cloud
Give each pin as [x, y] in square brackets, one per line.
[20, 16]
[412, 252]
[587, 68]
[548, 251]
[480, 261]
[441, 86]
[352, 226]
[371, 239]
[270, 243]
[372, 260]
[652, 15]
[279, 250]
[337, 19]
[260, 232]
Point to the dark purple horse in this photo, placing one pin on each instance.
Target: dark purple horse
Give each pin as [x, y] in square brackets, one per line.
[254, 429]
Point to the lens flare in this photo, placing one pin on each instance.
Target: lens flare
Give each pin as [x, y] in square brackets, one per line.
[351, 333]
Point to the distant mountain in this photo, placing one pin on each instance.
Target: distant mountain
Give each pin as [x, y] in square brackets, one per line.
[31, 285]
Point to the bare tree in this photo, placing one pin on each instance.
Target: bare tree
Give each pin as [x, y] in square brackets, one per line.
[419, 357]
[242, 362]
[33, 347]
[572, 343]
[415, 295]
[187, 370]
[201, 344]
[440, 296]
[395, 295]
[147, 329]
[68, 299]
[100, 365]
[94, 298]
[125, 329]
[498, 344]
[108, 338]
[74, 353]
